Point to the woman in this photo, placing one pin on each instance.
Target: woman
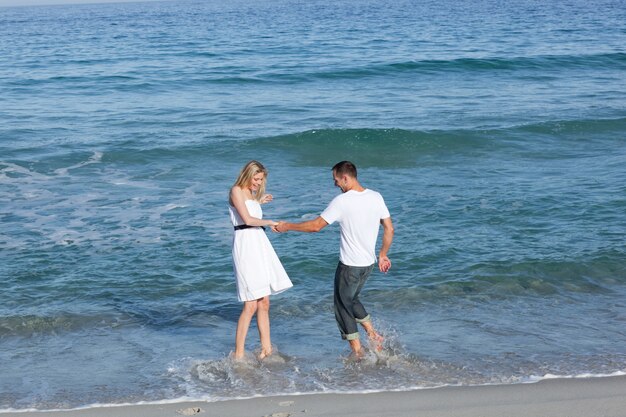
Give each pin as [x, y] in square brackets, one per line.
[258, 270]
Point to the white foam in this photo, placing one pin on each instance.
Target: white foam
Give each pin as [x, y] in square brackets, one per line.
[172, 206]
[535, 378]
[94, 159]
[10, 167]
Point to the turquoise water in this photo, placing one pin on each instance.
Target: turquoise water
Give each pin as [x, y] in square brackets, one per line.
[495, 131]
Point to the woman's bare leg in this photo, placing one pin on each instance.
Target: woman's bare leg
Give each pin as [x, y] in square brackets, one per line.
[248, 311]
[263, 323]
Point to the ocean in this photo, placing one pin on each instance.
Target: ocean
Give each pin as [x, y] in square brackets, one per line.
[496, 132]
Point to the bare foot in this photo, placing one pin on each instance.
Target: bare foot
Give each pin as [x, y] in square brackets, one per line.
[237, 356]
[376, 340]
[357, 355]
[265, 353]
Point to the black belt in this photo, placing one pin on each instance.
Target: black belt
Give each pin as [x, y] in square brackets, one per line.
[245, 226]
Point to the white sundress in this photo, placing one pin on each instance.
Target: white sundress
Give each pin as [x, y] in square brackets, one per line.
[258, 270]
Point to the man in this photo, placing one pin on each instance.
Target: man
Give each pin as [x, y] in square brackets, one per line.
[359, 212]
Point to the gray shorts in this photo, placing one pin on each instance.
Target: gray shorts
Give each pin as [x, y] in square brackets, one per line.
[349, 311]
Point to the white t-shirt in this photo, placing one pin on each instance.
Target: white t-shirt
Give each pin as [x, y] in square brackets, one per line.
[359, 214]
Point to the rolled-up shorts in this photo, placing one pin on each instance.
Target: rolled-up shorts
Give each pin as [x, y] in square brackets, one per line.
[349, 311]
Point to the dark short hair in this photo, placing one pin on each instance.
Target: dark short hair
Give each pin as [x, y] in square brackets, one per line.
[345, 168]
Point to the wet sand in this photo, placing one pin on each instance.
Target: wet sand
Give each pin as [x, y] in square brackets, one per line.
[589, 397]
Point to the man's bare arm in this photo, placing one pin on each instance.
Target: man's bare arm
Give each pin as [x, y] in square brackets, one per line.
[310, 226]
[384, 263]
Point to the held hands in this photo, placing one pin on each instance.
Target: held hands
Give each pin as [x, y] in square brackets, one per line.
[279, 227]
[384, 264]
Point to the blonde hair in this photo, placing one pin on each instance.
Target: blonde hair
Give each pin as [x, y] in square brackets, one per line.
[245, 177]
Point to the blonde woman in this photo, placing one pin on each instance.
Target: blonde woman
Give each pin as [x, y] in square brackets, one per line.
[258, 270]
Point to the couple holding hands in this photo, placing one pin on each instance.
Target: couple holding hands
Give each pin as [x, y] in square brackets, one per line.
[259, 272]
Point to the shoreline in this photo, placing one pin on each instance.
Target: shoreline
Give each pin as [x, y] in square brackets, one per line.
[566, 397]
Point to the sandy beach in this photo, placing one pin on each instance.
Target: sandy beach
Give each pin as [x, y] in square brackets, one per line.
[591, 397]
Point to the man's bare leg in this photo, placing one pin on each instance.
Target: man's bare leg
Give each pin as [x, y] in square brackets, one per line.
[356, 347]
[373, 335]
